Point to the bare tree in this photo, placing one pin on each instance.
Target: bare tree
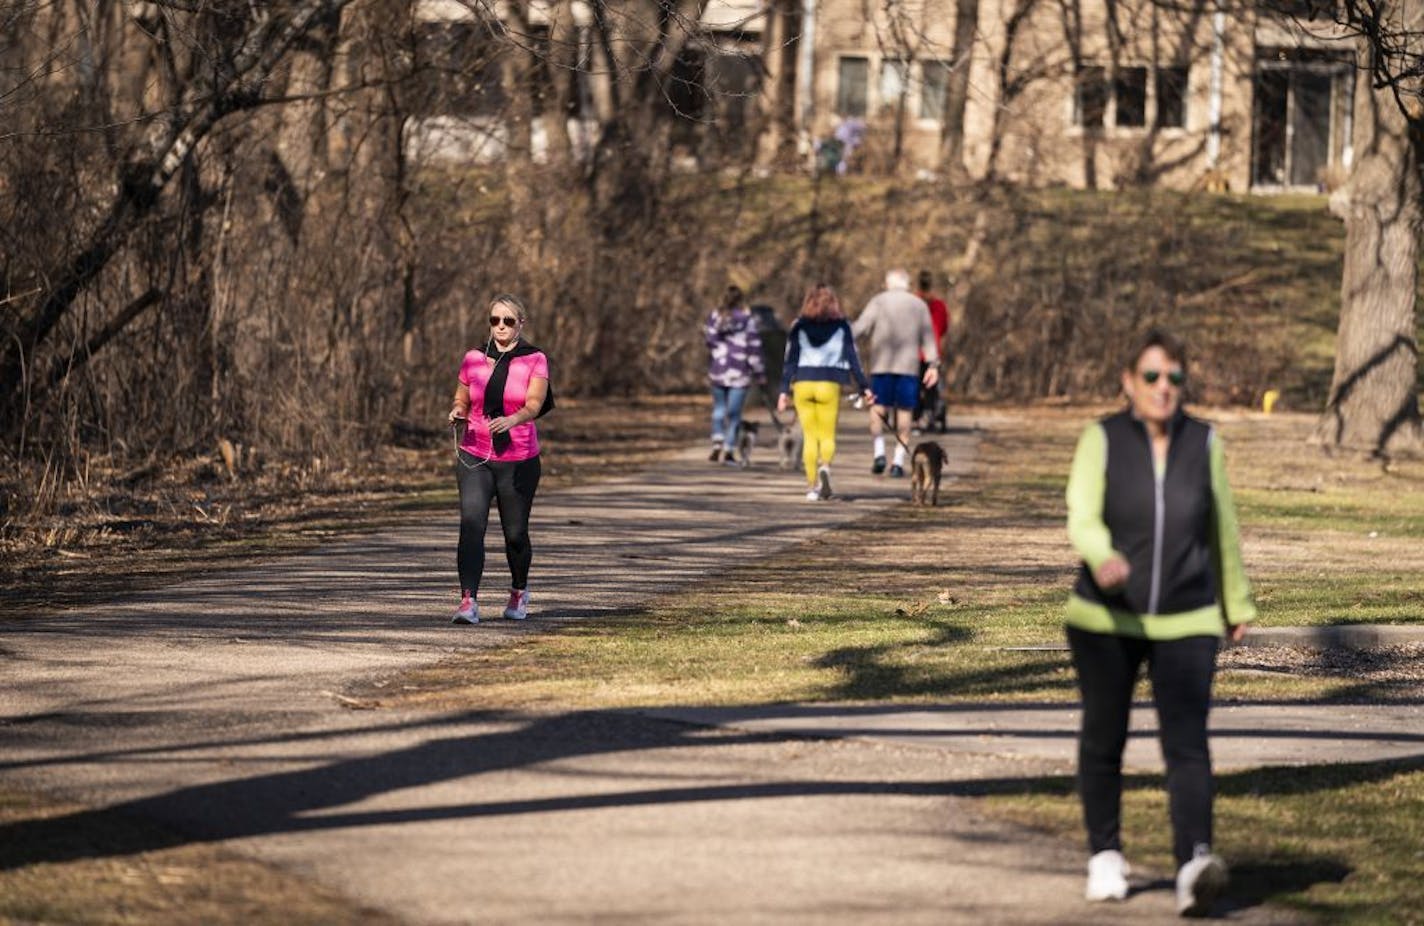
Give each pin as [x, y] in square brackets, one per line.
[956, 88]
[781, 45]
[232, 80]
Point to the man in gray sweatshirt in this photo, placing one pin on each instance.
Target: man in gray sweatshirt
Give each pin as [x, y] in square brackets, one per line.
[898, 324]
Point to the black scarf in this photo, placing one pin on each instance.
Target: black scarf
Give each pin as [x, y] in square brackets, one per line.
[493, 405]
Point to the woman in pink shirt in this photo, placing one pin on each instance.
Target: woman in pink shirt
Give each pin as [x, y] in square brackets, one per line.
[503, 387]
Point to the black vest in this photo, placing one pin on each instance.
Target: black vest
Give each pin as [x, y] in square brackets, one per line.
[1164, 529]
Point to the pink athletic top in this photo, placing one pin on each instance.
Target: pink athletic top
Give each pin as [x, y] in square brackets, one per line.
[475, 372]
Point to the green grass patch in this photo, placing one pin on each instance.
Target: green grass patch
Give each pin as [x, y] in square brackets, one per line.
[1342, 842]
[1367, 597]
[771, 648]
[1382, 511]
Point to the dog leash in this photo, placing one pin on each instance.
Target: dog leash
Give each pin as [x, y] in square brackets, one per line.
[771, 408]
[894, 433]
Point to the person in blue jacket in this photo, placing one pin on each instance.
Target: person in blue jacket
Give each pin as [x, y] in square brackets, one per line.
[820, 359]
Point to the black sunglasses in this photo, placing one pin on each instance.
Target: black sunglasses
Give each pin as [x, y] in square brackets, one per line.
[506, 320]
[1176, 377]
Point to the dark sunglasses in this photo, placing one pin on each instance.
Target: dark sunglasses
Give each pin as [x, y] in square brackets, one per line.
[506, 320]
[1176, 377]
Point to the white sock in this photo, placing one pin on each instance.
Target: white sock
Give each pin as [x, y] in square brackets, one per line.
[880, 446]
[899, 456]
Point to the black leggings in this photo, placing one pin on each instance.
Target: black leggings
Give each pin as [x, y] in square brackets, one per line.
[1181, 673]
[512, 485]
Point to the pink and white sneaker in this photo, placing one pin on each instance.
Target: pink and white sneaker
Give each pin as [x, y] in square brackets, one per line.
[518, 607]
[468, 612]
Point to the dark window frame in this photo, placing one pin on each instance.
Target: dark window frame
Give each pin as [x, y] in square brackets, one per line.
[1129, 95]
[1171, 85]
[843, 97]
[1091, 93]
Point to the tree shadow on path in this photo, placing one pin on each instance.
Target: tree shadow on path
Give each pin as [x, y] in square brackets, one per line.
[309, 799]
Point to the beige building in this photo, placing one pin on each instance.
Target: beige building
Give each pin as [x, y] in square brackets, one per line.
[1177, 94]
[1166, 94]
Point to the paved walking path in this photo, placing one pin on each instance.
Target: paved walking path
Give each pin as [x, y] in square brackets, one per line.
[209, 706]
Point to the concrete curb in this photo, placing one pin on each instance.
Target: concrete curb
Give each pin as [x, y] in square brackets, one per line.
[1329, 636]
[1337, 636]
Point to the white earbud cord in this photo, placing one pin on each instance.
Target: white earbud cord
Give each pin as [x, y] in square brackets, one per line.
[459, 436]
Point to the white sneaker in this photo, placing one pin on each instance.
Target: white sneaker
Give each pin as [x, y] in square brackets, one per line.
[1200, 882]
[1107, 876]
[468, 612]
[518, 607]
[813, 495]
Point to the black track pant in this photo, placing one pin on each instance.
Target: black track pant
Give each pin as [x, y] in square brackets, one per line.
[1181, 673]
[512, 486]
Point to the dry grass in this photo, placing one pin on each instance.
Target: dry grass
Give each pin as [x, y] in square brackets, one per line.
[102, 883]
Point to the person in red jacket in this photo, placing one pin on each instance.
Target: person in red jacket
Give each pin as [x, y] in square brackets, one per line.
[931, 408]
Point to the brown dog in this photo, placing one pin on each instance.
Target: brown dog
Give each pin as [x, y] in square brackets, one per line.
[926, 468]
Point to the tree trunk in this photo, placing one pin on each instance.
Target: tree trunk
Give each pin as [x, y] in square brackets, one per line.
[776, 144]
[956, 86]
[516, 78]
[1373, 404]
[1008, 88]
[563, 62]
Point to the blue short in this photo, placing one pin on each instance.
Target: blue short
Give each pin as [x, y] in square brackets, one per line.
[895, 390]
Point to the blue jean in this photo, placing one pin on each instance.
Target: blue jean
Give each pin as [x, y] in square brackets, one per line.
[727, 402]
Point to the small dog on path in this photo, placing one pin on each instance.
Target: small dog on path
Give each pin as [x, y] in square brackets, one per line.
[746, 442]
[926, 468]
[788, 445]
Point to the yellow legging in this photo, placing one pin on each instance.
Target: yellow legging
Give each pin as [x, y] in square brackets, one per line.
[817, 405]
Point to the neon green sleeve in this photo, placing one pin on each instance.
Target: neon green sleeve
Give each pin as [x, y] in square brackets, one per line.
[1226, 543]
[1087, 481]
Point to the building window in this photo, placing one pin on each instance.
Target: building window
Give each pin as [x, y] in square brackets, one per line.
[853, 84]
[1090, 98]
[685, 91]
[894, 81]
[1301, 98]
[1121, 100]
[1171, 98]
[935, 76]
[1298, 9]
[1130, 97]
